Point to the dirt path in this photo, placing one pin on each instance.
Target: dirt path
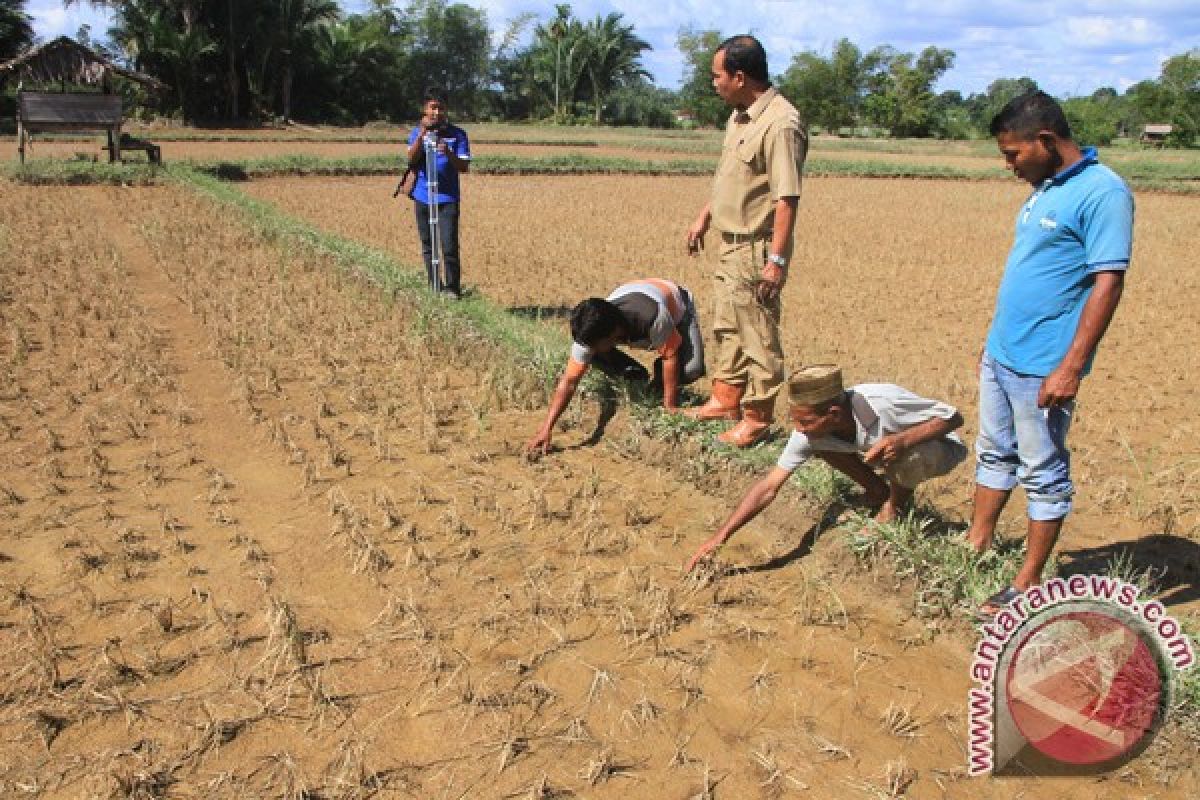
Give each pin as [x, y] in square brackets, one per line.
[315, 561]
[266, 492]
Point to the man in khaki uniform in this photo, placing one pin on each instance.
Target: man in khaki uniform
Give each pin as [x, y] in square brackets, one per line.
[753, 206]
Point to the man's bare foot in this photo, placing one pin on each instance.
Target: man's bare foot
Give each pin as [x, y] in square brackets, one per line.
[888, 512]
[898, 499]
[977, 542]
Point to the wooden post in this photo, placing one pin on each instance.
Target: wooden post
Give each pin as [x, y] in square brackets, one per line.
[114, 133]
[20, 125]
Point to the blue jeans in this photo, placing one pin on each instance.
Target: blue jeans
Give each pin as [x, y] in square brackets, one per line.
[448, 228]
[1021, 443]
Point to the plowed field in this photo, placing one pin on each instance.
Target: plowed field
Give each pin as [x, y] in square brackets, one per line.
[263, 536]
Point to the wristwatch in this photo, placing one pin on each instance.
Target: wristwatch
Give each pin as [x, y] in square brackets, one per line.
[778, 260]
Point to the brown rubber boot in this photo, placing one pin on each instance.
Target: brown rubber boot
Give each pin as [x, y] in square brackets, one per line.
[724, 403]
[755, 424]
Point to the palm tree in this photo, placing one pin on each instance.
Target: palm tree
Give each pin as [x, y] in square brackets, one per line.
[557, 31]
[181, 49]
[559, 34]
[343, 51]
[241, 25]
[614, 54]
[15, 31]
[296, 21]
[162, 35]
[188, 10]
[576, 61]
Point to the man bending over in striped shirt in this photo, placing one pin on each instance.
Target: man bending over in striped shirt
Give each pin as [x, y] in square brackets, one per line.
[648, 314]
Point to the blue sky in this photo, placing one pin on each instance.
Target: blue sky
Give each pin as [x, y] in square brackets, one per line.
[1069, 49]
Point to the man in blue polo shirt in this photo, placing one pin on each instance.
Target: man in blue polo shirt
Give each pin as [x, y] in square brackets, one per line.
[453, 157]
[1061, 286]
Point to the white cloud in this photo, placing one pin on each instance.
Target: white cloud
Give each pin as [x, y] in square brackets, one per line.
[51, 20]
[1114, 33]
[1065, 54]
[1072, 50]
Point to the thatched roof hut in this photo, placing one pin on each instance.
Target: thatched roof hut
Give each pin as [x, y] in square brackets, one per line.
[1155, 134]
[64, 61]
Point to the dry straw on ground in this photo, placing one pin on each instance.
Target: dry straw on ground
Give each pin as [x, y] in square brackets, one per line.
[268, 539]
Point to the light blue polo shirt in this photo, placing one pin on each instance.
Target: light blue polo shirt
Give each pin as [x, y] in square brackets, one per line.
[1077, 223]
[447, 176]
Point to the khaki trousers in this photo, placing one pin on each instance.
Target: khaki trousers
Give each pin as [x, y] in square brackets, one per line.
[748, 349]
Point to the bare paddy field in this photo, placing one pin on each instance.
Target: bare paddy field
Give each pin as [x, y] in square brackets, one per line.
[265, 537]
[240, 150]
[538, 140]
[895, 280]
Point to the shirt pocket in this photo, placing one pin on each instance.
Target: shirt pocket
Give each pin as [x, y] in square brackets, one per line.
[749, 151]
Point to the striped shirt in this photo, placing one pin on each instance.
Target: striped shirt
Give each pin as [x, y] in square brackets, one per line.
[653, 309]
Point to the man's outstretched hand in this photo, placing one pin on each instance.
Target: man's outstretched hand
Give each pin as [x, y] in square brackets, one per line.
[538, 446]
[705, 550]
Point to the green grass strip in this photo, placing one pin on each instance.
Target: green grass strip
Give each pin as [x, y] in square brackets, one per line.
[898, 169]
[581, 164]
[396, 137]
[1142, 175]
[54, 172]
[569, 164]
[949, 580]
[305, 165]
[534, 349]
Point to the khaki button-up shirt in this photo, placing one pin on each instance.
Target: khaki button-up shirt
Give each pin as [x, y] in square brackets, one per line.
[761, 161]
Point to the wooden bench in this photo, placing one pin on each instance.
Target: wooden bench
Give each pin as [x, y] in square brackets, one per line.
[57, 112]
[153, 152]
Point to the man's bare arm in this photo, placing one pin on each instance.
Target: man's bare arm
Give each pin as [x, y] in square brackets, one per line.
[894, 445]
[567, 384]
[774, 275]
[758, 497]
[1061, 385]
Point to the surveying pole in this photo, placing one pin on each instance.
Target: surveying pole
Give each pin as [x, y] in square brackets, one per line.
[435, 230]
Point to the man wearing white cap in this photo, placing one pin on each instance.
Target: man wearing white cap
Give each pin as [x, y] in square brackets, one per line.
[856, 430]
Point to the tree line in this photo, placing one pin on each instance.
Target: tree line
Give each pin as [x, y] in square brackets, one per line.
[888, 92]
[250, 61]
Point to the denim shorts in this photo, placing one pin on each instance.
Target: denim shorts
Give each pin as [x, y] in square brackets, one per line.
[1021, 443]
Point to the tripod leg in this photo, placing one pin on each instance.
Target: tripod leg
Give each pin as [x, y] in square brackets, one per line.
[435, 241]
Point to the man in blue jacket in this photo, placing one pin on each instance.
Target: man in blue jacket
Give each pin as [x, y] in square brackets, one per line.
[453, 157]
[1061, 286]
